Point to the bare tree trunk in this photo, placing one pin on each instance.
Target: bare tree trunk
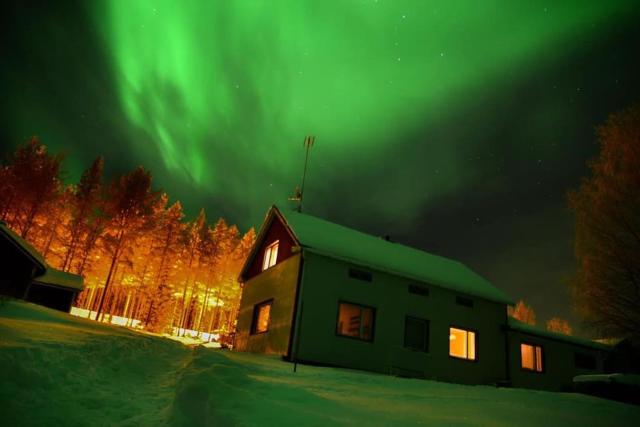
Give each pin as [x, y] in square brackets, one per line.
[114, 262]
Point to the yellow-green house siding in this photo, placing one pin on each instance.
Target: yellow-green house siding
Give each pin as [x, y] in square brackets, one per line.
[278, 283]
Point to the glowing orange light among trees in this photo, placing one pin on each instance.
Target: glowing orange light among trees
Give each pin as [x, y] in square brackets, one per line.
[140, 260]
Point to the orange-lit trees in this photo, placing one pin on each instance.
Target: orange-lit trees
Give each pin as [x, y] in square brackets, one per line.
[35, 177]
[523, 313]
[191, 239]
[556, 324]
[606, 288]
[166, 253]
[128, 207]
[158, 269]
[85, 206]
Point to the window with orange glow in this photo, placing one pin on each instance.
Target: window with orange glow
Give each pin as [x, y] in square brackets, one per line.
[531, 357]
[270, 255]
[261, 317]
[355, 321]
[462, 343]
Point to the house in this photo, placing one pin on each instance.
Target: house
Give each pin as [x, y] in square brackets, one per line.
[320, 293]
[26, 275]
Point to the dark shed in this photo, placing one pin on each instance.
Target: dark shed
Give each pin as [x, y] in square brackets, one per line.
[25, 274]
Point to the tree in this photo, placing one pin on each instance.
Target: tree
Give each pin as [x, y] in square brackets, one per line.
[191, 241]
[130, 202]
[159, 314]
[84, 206]
[556, 324]
[523, 313]
[35, 175]
[606, 287]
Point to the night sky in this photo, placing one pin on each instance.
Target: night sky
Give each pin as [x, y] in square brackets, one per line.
[455, 127]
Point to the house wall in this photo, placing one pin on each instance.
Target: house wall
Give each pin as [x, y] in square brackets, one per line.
[276, 231]
[278, 283]
[558, 362]
[326, 281]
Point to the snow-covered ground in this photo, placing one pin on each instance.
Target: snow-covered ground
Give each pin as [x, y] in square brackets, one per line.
[59, 370]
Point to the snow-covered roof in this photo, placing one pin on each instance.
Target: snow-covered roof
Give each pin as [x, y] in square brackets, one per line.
[519, 326]
[23, 246]
[47, 274]
[336, 241]
[60, 278]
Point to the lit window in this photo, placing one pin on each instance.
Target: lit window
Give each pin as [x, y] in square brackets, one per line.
[261, 317]
[270, 255]
[355, 321]
[416, 333]
[462, 343]
[531, 357]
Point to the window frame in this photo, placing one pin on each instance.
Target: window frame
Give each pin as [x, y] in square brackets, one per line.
[360, 274]
[254, 317]
[582, 355]
[373, 321]
[427, 322]
[416, 289]
[269, 251]
[476, 346]
[543, 362]
[464, 301]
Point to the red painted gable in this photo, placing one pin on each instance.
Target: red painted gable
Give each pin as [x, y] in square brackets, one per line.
[276, 231]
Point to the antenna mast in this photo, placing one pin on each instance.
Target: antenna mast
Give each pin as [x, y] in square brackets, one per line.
[299, 193]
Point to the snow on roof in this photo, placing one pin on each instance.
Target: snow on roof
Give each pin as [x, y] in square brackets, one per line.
[61, 278]
[337, 241]
[23, 245]
[519, 326]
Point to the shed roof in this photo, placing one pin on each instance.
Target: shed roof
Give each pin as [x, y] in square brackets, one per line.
[336, 241]
[61, 278]
[23, 246]
[47, 274]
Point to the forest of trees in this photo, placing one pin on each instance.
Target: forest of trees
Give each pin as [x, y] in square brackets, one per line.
[139, 257]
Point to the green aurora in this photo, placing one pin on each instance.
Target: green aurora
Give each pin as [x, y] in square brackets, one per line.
[456, 127]
[254, 77]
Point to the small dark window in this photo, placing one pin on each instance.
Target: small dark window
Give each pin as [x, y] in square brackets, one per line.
[360, 274]
[261, 317]
[355, 321]
[464, 301]
[418, 290]
[416, 333]
[585, 361]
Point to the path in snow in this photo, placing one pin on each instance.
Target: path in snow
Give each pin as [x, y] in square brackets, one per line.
[59, 370]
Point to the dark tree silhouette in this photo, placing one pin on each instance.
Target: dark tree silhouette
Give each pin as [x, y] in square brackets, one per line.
[606, 288]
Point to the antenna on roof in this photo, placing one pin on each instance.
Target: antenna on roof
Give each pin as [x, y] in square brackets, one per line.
[299, 191]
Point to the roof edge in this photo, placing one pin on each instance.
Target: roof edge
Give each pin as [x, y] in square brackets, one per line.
[273, 212]
[518, 326]
[506, 300]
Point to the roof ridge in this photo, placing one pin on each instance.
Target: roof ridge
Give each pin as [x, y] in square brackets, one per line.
[341, 242]
[371, 236]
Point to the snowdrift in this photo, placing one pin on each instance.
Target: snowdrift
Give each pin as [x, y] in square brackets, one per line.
[60, 370]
